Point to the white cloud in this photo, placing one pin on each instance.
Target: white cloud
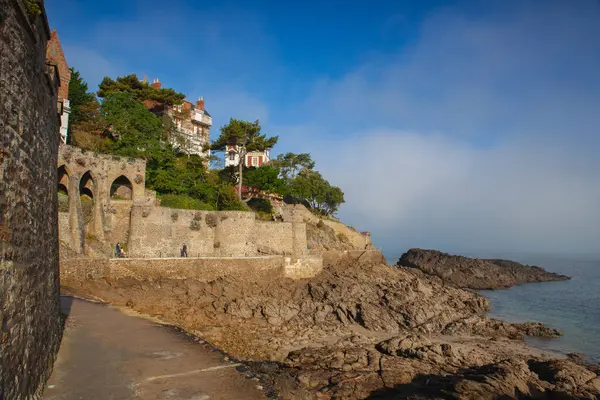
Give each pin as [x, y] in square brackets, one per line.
[512, 164]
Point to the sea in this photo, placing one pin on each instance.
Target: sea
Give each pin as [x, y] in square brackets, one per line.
[572, 307]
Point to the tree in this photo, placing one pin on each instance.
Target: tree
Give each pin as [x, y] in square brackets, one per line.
[139, 90]
[291, 164]
[135, 131]
[90, 132]
[265, 177]
[311, 187]
[246, 137]
[81, 101]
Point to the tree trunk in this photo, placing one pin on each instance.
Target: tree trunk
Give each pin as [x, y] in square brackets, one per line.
[241, 168]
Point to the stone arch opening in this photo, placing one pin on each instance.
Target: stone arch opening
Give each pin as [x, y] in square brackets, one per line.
[63, 181]
[86, 185]
[121, 189]
[87, 188]
[63, 189]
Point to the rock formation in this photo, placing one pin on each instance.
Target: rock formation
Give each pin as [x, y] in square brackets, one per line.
[358, 331]
[474, 273]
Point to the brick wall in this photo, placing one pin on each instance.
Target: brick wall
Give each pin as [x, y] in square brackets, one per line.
[30, 325]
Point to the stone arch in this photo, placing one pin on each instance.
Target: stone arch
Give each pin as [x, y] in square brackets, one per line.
[121, 189]
[87, 185]
[63, 180]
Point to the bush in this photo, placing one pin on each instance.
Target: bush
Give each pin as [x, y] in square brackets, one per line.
[261, 205]
[63, 202]
[183, 202]
[195, 225]
[211, 220]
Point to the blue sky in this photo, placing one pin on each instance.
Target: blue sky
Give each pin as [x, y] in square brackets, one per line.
[468, 126]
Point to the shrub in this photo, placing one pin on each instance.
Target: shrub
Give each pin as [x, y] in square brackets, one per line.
[183, 202]
[63, 202]
[262, 216]
[261, 205]
[195, 225]
[211, 220]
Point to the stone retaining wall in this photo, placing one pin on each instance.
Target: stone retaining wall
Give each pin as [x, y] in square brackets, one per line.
[205, 269]
[362, 256]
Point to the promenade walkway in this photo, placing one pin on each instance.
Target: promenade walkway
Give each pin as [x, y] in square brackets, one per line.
[106, 354]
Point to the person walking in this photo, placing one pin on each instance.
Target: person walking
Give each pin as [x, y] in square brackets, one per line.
[184, 251]
[118, 250]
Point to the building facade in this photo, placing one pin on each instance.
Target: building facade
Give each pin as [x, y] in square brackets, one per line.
[252, 158]
[191, 123]
[56, 56]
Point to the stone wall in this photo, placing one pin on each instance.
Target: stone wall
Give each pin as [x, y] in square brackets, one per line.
[30, 324]
[98, 181]
[203, 269]
[299, 213]
[274, 238]
[162, 231]
[332, 258]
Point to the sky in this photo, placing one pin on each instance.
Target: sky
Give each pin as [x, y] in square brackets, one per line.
[465, 126]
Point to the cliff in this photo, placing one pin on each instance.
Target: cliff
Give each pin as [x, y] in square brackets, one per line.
[474, 273]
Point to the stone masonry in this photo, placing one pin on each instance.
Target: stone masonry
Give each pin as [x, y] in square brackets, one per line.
[30, 324]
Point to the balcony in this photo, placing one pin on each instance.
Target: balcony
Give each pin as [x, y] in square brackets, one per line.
[201, 118]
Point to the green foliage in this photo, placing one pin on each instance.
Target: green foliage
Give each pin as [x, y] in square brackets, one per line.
[311, 187]
[139, 90]
[247, 137]
[32, 7]
[244, 134]
[79, 99]
[266, 178]
[291, 164]
[261, 205]
[135, 131]
[63, 202]
[183, 202]
[227, 199]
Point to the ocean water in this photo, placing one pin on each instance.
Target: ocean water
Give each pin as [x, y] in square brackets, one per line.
[572, 306]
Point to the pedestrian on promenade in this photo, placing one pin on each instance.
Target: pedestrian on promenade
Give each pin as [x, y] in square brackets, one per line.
[184, 250]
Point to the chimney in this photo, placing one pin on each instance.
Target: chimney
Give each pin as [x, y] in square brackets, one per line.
[156, 84]
[200, 104]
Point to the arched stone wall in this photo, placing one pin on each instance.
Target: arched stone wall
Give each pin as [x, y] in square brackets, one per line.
[92, 175]
[121, 189]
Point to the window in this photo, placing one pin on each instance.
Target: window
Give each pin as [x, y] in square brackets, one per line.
[254, 161]
[232, 156]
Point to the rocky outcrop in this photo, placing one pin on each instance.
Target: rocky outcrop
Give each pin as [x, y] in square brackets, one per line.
[356, 331]
[474, 273]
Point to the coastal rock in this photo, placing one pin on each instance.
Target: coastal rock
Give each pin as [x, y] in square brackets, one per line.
[357, 331]
[474, 273]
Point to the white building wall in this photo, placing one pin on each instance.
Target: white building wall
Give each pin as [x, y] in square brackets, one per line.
[64, 120]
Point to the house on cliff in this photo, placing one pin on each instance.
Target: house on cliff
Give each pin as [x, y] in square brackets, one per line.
[55, 56]
[252, 158]
[191, 123]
